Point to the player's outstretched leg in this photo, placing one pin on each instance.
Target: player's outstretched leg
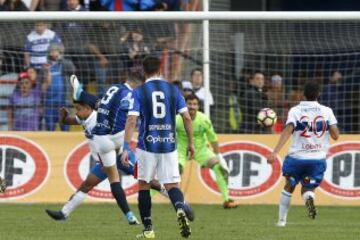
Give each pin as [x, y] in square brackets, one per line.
[177, 199]
[309, 197]
[223, 187]
[77, 87]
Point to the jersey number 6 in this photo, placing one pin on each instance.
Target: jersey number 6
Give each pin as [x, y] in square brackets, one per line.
[158, 104]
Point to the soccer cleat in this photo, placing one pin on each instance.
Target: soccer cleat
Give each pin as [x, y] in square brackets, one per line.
[185, 230]
[230, 204]
[56, 215]
[281, 223]
[132, 220]
[77, 87]
[189, 212]
[311, 208]
[147, 234]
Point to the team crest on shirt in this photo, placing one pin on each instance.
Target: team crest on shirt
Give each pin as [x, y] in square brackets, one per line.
[342, 176]
[250, 174]
[24, 165]
[77, 167]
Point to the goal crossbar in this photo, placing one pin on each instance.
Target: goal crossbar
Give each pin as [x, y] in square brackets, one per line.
[181, 16]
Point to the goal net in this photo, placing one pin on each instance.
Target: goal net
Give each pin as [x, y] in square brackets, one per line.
[254, 64]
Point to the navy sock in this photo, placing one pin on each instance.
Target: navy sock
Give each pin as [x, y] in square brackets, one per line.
[144, 200]
[176, 197]
[120, 197]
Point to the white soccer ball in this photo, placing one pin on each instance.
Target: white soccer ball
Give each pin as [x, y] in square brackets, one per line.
[266, 117]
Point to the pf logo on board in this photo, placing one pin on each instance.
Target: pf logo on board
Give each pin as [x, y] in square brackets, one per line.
[78, 165]
[250, 175]
[342, 176]
[23, 165]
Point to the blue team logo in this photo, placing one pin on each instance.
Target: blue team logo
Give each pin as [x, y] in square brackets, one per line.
[342, 176]
[250, 175]
[78, 165]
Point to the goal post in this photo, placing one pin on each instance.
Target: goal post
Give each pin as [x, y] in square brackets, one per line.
[287, 47]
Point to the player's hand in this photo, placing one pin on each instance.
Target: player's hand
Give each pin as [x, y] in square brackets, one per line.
[272, 157]
[125, 158]
[63, 114]
[191, 151]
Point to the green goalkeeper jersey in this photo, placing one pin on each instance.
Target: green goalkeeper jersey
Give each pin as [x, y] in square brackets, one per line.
[203, 131]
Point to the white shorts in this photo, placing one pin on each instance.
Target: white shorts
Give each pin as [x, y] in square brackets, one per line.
[105, 147]
[164, 165]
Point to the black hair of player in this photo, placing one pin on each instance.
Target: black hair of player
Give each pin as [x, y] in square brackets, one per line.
[192, 97]
[311, 91]
[151, 65]
[82, 103]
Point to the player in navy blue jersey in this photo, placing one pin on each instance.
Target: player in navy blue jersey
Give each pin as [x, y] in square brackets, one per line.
[156, 103]
[108, 133]
[86, 116]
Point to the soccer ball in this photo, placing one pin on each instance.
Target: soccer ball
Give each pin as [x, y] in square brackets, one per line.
[266, 117]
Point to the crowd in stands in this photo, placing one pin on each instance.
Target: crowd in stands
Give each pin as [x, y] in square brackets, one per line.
[105, 53]
[93, 5]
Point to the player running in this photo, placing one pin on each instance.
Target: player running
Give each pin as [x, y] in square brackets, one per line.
[311, 125]
[203, 134]
[156, 103]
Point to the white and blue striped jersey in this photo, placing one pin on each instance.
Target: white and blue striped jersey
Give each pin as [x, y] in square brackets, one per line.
[156, 103]
[37, 45]
[113, 109]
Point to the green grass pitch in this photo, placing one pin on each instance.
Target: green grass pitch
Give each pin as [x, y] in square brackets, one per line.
[247, 222]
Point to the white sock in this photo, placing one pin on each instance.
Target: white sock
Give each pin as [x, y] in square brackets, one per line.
[284, 205]
[308, 194]
[164, 192]
[73, 203]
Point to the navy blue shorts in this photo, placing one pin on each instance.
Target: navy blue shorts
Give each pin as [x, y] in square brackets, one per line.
[98, 172]
[309, 172]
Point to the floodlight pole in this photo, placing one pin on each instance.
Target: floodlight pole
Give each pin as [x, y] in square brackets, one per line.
[206, 60]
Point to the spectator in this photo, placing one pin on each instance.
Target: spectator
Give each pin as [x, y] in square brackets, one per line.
[253, 101]
[74, 5]
[33, 76]
[13, 5]
[334, 95]
[197, 81]
[37, 44]
[277, 101]
[24, 111]
[136, 50]
[129, 5]
[186, 88]
[56, 85]
[106, 45]
[47, 5]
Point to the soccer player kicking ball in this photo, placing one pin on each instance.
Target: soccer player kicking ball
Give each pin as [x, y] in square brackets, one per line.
[156, 103]
[203, 134]
[311, 125]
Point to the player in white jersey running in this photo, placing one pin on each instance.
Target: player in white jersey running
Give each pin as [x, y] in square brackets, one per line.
[311, 125]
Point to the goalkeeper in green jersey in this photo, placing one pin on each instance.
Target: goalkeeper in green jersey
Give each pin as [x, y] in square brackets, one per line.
[205, 155]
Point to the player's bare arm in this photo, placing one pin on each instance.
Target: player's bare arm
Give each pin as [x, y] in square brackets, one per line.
[129, 132]
[189, 132]
[334, 132]
[285, 135]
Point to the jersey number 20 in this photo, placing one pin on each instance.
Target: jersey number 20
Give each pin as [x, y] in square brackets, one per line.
[158, 104]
